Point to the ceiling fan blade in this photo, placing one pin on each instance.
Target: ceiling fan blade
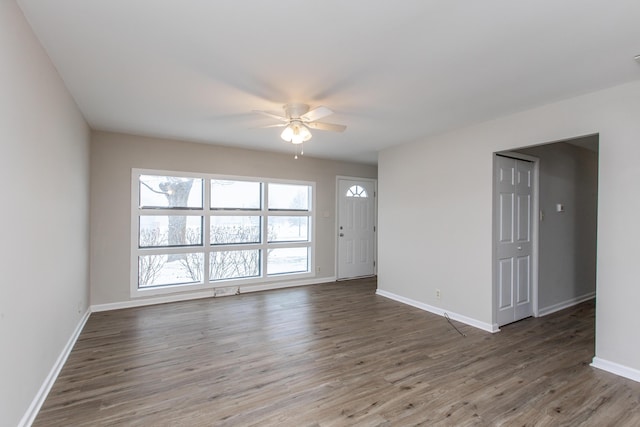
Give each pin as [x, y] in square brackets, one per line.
[272, 115]
[279, 125]
[326, 126]
[316, 114]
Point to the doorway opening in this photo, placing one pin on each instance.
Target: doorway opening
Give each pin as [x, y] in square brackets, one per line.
[565, 225]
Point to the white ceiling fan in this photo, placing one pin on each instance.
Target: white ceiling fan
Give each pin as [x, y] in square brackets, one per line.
[298, 119]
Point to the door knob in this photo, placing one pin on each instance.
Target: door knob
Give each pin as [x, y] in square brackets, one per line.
[341, 234]
[519, 248]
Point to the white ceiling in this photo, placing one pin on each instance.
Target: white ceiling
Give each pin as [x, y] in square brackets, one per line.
[393, 71]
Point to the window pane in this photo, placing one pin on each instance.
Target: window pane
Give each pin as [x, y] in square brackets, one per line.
[288, 260]
[356, 191]
[289, 197]
[170, 192]
[169, 230]
[234, 264]
[162, 270]
[235, 229]
[235, 194]
[288, 228]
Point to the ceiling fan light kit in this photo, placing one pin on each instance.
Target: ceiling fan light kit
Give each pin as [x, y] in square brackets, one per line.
[297, 121]
[296, 133]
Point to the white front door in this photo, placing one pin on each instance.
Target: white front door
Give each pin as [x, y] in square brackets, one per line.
[356, 232]
[514, 210]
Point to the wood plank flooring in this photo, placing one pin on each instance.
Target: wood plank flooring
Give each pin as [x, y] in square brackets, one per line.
[332, 355]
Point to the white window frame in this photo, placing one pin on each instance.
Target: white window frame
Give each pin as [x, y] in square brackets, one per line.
[206, 212]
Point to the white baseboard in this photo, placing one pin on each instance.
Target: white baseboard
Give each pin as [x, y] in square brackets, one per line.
[209, 293]
[440, 312]
[160, 299]
[282, 285]
[565, 304]
[38, 400]
[615, 368]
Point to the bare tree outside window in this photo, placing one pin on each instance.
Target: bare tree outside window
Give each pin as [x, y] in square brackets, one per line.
[192, 264]
[150, 265]
[176, 191]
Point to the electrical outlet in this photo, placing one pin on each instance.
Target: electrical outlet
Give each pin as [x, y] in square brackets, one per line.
[438, 294]
[318, 270]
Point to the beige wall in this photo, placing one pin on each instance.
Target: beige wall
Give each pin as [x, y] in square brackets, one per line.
[44, 170]
[114, 155]
[435, 212]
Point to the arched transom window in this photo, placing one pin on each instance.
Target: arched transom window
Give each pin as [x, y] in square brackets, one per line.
[356, 191]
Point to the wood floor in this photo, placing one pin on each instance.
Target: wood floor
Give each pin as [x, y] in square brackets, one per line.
[332, 355]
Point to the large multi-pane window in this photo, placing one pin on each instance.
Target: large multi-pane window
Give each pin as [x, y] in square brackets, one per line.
[205, 230]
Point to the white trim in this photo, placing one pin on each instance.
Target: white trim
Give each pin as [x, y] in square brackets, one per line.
[210, 293]
[616, 368]
[565, 304]
[440, 312]
[38, 400]
[141, 302]
[283, 285]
